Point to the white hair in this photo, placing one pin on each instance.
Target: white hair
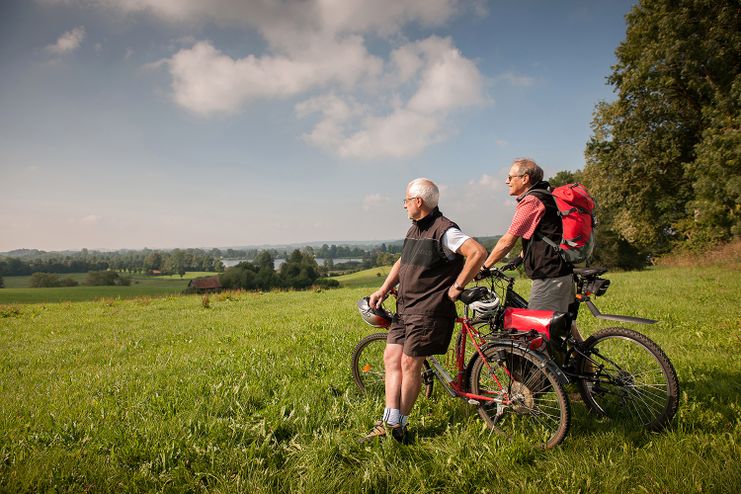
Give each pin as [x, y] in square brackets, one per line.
[425, 189]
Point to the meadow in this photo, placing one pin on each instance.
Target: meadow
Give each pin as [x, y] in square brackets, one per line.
[252, 392]
[18, 288]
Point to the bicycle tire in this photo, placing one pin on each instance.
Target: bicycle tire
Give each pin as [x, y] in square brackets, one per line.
[631, 378]
[368, 369]
[532, 403]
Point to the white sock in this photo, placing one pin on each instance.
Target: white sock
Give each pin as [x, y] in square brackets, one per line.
[403, 420]
[391, 415]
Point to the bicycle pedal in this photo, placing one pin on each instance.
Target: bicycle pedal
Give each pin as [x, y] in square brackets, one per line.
[473, 402]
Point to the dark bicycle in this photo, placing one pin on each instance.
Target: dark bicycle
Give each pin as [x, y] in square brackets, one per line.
[620, 372]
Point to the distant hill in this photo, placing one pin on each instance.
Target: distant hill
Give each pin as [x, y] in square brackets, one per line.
[23, 253]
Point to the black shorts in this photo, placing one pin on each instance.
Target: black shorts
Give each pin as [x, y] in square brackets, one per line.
[421, 335]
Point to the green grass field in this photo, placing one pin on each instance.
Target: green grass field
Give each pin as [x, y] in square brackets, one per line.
[252, 392]
[18, 288]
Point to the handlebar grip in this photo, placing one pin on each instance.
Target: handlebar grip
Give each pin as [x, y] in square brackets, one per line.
[513, 264]
[482, 274]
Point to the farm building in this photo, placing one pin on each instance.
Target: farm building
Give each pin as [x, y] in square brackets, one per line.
[204, 285]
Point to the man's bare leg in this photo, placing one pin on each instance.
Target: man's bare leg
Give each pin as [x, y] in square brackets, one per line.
[392, 358]
[411, 380]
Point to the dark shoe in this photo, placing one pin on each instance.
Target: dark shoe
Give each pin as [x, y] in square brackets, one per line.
[400, 433]
[378, 431]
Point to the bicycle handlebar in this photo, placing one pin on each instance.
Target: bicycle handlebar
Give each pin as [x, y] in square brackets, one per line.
[492, 272]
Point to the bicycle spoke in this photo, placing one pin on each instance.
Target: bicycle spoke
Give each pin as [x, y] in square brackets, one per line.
[536, 408]
[632, 378]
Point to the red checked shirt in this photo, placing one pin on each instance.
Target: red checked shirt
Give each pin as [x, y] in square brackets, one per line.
[528, 213]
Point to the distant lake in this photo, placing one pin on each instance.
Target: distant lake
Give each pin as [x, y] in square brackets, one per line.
[228, 263]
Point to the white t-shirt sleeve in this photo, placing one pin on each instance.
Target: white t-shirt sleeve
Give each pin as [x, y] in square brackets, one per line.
[452, 240]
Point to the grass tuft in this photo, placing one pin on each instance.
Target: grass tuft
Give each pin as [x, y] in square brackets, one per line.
[9, 311]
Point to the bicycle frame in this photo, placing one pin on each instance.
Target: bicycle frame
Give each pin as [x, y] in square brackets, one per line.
[456, 386]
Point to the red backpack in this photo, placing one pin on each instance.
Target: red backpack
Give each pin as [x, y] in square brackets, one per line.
[576, 209]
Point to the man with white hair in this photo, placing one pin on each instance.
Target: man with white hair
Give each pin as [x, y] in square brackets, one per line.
[437, 260]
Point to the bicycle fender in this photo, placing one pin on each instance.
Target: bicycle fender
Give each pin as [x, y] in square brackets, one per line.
[615, 317]
[546, 361]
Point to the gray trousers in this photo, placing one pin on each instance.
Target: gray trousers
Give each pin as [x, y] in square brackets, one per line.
[552, 294]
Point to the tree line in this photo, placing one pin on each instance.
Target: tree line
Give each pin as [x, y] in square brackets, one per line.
[299, 271]
[664, 158]
[176, 261]
[94, 278]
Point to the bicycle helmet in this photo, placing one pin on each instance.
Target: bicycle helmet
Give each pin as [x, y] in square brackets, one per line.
[378, 318]
[486, 307]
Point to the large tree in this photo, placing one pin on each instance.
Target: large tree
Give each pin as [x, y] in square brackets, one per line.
[663, 160]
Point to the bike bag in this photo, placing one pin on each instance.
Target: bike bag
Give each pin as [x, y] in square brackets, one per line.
[553, 326]
[545, 322]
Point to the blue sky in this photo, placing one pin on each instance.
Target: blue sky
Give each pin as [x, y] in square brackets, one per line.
[181, 123]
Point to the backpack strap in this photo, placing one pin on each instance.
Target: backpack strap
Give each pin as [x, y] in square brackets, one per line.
[536, 233]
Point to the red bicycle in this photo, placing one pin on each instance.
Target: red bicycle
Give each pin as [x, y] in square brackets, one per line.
[519, 392]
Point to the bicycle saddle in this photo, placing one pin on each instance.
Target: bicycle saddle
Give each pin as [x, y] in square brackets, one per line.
[473, 294]
[587, 272]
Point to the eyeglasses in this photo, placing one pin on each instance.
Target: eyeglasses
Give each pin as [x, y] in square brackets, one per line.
[407, 199]
[510, 177]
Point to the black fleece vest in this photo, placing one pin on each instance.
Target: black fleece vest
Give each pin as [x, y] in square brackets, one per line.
[425, 273]
[542, 260]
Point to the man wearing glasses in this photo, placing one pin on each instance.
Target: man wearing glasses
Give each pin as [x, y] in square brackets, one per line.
[437, 260]
[536, 216]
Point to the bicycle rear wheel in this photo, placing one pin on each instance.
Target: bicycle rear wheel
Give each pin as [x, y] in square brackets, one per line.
[368, 370]
[527, 399]
[629, 377]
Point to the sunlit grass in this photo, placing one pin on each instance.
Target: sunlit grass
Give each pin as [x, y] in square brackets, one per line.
[254, 394]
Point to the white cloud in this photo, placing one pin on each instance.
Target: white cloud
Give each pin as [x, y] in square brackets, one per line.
[68, 42]
[401, 134]
[448, 81]
[442, 81]
[488, 182]
[371, 201]
[329, 132]
[517, 80]
[89, 219]
[480, 8]
[207, 81]
[275, 17]
[369, 107]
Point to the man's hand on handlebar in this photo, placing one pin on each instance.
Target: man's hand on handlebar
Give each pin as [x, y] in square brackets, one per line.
[482, 274]
[511, 265]
[494, 271]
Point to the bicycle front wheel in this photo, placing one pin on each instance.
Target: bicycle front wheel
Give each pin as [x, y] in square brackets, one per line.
[628, 376]
[368, 370]
[527, 400]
